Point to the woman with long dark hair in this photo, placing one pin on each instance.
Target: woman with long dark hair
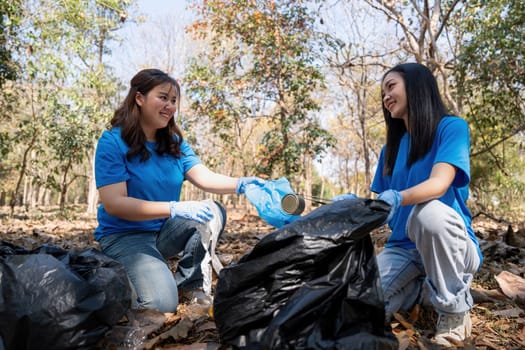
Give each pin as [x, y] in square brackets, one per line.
[140, 165]
[424, 173]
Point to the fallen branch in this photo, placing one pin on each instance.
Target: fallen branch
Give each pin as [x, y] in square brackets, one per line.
[492, 217]
[481, 295]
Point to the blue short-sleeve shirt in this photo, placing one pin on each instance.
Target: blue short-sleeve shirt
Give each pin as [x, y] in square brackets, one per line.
[159, 178]
[451, 145]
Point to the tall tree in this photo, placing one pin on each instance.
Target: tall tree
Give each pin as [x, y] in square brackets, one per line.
[68, 88]
[261, 67]
[10, 11]
[426, 35]
[353, 72]
[490, 76]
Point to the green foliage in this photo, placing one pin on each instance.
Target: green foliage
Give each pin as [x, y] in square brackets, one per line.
[79, 111]
[491, 67]
[262, 65]
[10, 11]
[491, 83]
[65, 92]
[10, 15]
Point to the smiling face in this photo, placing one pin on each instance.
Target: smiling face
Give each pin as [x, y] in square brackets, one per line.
[157, 107]
[394, 96]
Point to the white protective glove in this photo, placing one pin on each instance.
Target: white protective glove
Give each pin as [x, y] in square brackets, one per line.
[192, 210]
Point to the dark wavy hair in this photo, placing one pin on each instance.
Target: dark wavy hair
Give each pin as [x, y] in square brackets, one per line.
[425, 110]
[128, 115]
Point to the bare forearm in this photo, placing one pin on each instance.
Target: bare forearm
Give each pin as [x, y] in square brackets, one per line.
[210, 181]
[434, 187]
[221, 185]
[133, 209]
[425, 191]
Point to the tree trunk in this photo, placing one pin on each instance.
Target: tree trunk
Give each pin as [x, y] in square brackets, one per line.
[64, 187]
[22, 172]
[92, 197]
[35, 195]
[308, 181]
[26, 193]
[46, 197]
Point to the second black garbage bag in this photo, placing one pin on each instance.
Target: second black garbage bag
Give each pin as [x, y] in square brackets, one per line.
[52, 298]
[312, 284]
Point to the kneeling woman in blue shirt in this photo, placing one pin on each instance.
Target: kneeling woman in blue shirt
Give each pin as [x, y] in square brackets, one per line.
[140, 165]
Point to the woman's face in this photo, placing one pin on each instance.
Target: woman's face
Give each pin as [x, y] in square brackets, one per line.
[157, 107]
[394, 96]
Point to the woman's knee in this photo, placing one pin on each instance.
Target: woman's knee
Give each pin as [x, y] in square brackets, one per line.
[428, 218]
[153, 282]
[159, 293]
[435, 220]
[167, 301]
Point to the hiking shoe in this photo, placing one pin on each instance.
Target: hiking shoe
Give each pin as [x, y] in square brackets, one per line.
[452, 329]
[196, 296]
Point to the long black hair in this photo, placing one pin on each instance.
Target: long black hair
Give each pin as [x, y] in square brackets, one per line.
[127, 117]
[425, 108]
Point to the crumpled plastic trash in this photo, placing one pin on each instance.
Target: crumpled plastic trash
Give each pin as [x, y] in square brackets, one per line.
[267, 200]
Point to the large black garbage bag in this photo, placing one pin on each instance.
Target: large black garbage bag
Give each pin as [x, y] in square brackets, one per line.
[51, 298]
[312, 284]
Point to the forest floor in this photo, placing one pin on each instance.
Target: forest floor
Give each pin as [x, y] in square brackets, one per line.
[498, 289]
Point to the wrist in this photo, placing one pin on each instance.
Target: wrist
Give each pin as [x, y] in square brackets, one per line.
[239, 188]
[171, 208]
[399, 197]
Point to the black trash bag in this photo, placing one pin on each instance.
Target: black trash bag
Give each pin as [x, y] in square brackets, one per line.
[312, 284]
[51, 298]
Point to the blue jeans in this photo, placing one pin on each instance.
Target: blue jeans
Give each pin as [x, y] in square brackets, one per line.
[445, 259]
[144, 256]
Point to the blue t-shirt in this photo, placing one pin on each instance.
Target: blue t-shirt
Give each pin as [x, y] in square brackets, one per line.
[159, 178]
[451, 145]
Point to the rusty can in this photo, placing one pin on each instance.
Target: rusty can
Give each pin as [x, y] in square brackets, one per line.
[292, 204]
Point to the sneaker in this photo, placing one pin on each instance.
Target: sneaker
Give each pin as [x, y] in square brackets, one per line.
[452, 329]
[196, 296]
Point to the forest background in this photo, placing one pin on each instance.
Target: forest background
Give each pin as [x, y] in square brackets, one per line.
[273, 88]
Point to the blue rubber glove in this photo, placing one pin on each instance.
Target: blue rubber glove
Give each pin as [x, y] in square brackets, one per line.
[392, 198]
[243, 181]
[192, 210]
[342, 197]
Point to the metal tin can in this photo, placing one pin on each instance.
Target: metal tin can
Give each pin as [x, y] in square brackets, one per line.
[292, 204]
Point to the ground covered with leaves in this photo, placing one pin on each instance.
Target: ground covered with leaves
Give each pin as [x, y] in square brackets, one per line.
[498, 316]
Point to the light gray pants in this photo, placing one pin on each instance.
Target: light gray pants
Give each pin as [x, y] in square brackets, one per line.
[445, 258]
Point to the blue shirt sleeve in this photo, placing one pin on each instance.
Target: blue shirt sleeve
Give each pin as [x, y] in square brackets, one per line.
[453, 147]
[110, 160]
[379, 183]
[190, 159]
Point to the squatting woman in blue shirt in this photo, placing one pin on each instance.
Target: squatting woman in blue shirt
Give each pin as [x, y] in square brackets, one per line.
[424, 173]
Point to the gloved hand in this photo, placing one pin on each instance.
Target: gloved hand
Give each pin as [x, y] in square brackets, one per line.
[342, 197]
[192, 210]
[243, 181]
[393, 198]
